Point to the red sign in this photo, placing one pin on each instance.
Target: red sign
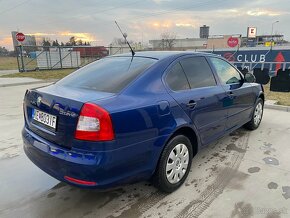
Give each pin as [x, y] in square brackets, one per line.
[20, 37]
[233, 42]
[229, 56]
[279, 58]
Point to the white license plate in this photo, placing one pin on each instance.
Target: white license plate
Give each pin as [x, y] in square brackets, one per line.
[44, 118]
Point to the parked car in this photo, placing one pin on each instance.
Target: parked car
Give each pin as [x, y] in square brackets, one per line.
[124, 119]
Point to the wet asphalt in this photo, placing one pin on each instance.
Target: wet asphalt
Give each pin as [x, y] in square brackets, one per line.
[245, 174]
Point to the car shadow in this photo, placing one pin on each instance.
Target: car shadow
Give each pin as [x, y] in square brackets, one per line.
[212, 169]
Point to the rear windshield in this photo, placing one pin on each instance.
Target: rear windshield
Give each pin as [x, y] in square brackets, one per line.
[108, 74]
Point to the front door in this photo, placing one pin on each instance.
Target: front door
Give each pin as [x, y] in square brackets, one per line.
[241, 97]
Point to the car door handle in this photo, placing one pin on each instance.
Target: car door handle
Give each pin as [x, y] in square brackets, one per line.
[191, 104]
[231, 94]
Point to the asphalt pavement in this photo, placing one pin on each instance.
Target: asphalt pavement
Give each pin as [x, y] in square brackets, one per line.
[245, 174]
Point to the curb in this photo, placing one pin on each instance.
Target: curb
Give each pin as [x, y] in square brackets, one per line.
[28, 83]
[277, 107]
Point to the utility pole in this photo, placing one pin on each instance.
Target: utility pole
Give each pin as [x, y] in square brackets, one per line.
[272, 40]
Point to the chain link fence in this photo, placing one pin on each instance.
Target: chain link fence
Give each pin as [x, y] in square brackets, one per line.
[31, 58]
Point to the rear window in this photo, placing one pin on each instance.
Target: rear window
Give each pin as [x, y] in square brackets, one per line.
[108, 74]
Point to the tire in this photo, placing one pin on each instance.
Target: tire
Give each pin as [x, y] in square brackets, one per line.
[257, 115]
[174, 164]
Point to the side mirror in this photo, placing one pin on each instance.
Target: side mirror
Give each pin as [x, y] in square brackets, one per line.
[250, 78]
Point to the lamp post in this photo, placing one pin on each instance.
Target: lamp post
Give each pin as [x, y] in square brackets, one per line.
[272, 32]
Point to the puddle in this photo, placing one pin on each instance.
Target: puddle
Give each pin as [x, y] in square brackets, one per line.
[233, 147]
[267, 148]
[286, 192]
[271, 161]
[243, 210]
[253, 169]
[272, 185]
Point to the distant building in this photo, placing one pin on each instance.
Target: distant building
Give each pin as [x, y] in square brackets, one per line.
[179, 44]
[263, 40]
[222, 41]
[204, 32]
[212, 42]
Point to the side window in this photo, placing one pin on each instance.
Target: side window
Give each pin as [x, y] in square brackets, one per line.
[176, 79]
[198, 72]
[226, 72]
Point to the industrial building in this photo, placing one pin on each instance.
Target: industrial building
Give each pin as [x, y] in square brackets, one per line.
[207, 41]
[179, 44]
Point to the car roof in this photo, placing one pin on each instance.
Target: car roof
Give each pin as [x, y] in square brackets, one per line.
[162, 54]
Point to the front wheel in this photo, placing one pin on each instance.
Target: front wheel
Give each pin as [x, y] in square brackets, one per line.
[174, 164]
[257, 116]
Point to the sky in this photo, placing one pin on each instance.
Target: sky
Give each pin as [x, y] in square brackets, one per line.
[142, 20]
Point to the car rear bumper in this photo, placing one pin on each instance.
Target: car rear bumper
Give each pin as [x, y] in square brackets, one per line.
[101, 169]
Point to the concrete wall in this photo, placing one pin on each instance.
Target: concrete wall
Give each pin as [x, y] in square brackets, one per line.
[180, 44]
[220, 42]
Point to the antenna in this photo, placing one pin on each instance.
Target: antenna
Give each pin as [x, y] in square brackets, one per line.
[125, 37]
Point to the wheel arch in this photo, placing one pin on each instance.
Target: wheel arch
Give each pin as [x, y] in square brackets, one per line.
[190, 134]
[187, 131]
[262, 96]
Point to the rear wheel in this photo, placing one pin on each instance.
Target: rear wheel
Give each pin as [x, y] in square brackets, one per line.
[174, 164]
[257, 116]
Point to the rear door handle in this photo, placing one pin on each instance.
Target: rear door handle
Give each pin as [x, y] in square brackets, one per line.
[191, 104]
[231, 94]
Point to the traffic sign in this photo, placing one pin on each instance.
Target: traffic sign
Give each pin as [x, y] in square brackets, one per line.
[20, 37]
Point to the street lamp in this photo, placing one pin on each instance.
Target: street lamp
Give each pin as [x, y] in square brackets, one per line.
[272, 32]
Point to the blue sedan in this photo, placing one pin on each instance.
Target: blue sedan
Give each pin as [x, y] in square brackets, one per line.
[124, 119]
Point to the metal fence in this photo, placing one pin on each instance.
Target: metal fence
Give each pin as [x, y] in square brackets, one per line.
[31, 58]
[271, 67]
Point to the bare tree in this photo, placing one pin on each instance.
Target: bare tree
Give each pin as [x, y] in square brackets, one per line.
[121, 42]
[167, 40]
[79, 42]
[118, 42]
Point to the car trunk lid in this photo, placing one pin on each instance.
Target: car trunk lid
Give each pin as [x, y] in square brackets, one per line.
[59, 102]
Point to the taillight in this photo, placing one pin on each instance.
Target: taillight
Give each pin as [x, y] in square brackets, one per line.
[94, 124]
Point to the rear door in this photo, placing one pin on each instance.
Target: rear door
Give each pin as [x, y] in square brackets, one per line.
[240, 95]
[194, 87]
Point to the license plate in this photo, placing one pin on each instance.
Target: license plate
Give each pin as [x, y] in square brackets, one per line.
[44, 118]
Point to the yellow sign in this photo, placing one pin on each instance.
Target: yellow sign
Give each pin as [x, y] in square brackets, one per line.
[268, 44]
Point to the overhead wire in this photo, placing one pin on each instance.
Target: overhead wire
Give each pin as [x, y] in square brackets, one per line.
[179, 9]
[93, 12]
[15, 6]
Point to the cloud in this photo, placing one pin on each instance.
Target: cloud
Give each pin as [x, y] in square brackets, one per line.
[184, 24]
[6, 42]
[79, 36]
[140, 19]
[265, 12]
[41, 34]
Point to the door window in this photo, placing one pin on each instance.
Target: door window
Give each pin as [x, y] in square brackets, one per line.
[198, 72]
[176, 79]
[226, 72]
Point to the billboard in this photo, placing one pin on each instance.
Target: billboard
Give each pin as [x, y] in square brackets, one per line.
[252, 32]
[257, 57]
